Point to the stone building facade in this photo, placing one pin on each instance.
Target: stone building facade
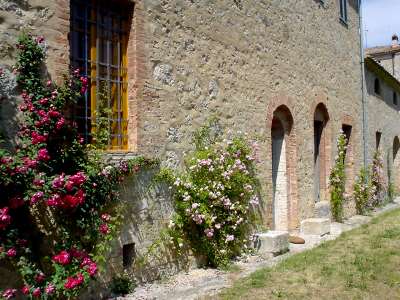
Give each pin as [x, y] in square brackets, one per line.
[286, 73]
[388, 56]
[383, 119]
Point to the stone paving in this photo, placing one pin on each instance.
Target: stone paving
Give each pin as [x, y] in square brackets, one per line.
[198, 283]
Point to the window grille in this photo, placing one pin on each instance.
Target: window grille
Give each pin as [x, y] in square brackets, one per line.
[98, 43]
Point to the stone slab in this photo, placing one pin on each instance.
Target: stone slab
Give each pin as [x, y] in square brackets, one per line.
[315, 226]
[338, 228]
[357, 220]
[322, 210]
[272, 242]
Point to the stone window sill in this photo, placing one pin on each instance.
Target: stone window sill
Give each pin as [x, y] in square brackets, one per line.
[118, 156]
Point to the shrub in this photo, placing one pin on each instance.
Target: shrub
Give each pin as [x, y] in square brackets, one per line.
[362, 191]
[122, 284]
[59, 204]
[337, 179]
[215, 199]
[378, 182]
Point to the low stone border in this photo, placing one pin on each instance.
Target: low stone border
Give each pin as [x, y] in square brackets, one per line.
[208, 282]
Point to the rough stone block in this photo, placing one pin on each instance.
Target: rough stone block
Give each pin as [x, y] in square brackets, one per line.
[315, 226]
[272, 242]
[322, 210]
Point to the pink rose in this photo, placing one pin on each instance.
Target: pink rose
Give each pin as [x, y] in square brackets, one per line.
[11, 252]
[9, 293]
[40, 277]
[104, 229]
[36, 293]
[25, 289]
[50, 289]
[43, 155]
[37, 197]
[63, 258]
[106, 217]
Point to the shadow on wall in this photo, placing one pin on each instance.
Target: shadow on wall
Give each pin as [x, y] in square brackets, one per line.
[8, 108]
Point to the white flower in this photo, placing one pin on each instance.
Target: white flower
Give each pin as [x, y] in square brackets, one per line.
[171, 224]
[229, 238]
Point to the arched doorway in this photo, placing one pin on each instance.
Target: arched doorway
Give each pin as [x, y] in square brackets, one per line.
[321, 148]
[396, 164]
[281, 128]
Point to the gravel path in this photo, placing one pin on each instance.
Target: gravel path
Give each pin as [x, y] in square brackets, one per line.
[197, 283]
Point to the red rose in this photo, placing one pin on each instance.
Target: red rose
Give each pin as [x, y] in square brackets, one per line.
[63, 258]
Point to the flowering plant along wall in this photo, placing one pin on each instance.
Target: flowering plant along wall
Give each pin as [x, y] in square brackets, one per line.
[58, 197]
[216, 200]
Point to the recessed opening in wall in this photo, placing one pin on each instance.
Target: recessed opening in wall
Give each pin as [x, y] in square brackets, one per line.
[394, 98]
[377, 87]
[347, 132]
[321, 145]
[128, 255]
[348, 158]
[378, 136]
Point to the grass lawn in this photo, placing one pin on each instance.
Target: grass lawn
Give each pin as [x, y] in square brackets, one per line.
[361, 264]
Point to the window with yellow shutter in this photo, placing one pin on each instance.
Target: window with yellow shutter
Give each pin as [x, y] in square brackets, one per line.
[98, 47]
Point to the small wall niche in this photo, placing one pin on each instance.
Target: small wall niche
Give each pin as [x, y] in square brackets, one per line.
[128, 255]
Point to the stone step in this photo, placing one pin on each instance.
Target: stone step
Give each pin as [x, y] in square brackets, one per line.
[272, 242]
[357, 220]
[315, 226]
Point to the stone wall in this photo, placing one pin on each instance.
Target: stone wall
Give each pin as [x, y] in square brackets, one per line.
[240, 61]
[391, 62]
[383, 117]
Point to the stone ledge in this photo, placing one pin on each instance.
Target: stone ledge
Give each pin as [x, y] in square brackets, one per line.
[315, 226]
[272, 242]
[116, 157]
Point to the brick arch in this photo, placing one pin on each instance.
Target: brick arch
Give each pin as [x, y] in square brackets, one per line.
[320, 113]
[280, 108]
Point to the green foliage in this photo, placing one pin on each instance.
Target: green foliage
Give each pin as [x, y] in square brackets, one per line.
[122, 284]
[101, 128]
[60, 200]
[378, 183]
[337, 179]
[362, 191]
[215, 198]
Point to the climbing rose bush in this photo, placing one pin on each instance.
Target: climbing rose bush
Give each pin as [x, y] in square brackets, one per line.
[378, 182]
[337, 179]
[58, 204]
[215, 201]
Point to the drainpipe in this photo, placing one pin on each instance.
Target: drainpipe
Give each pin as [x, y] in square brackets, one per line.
[363, 87]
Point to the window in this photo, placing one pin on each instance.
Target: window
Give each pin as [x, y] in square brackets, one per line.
[347, 132]
[394, 98]
[377, 87]
[98, 42]
[378, 137]
[343, 10]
